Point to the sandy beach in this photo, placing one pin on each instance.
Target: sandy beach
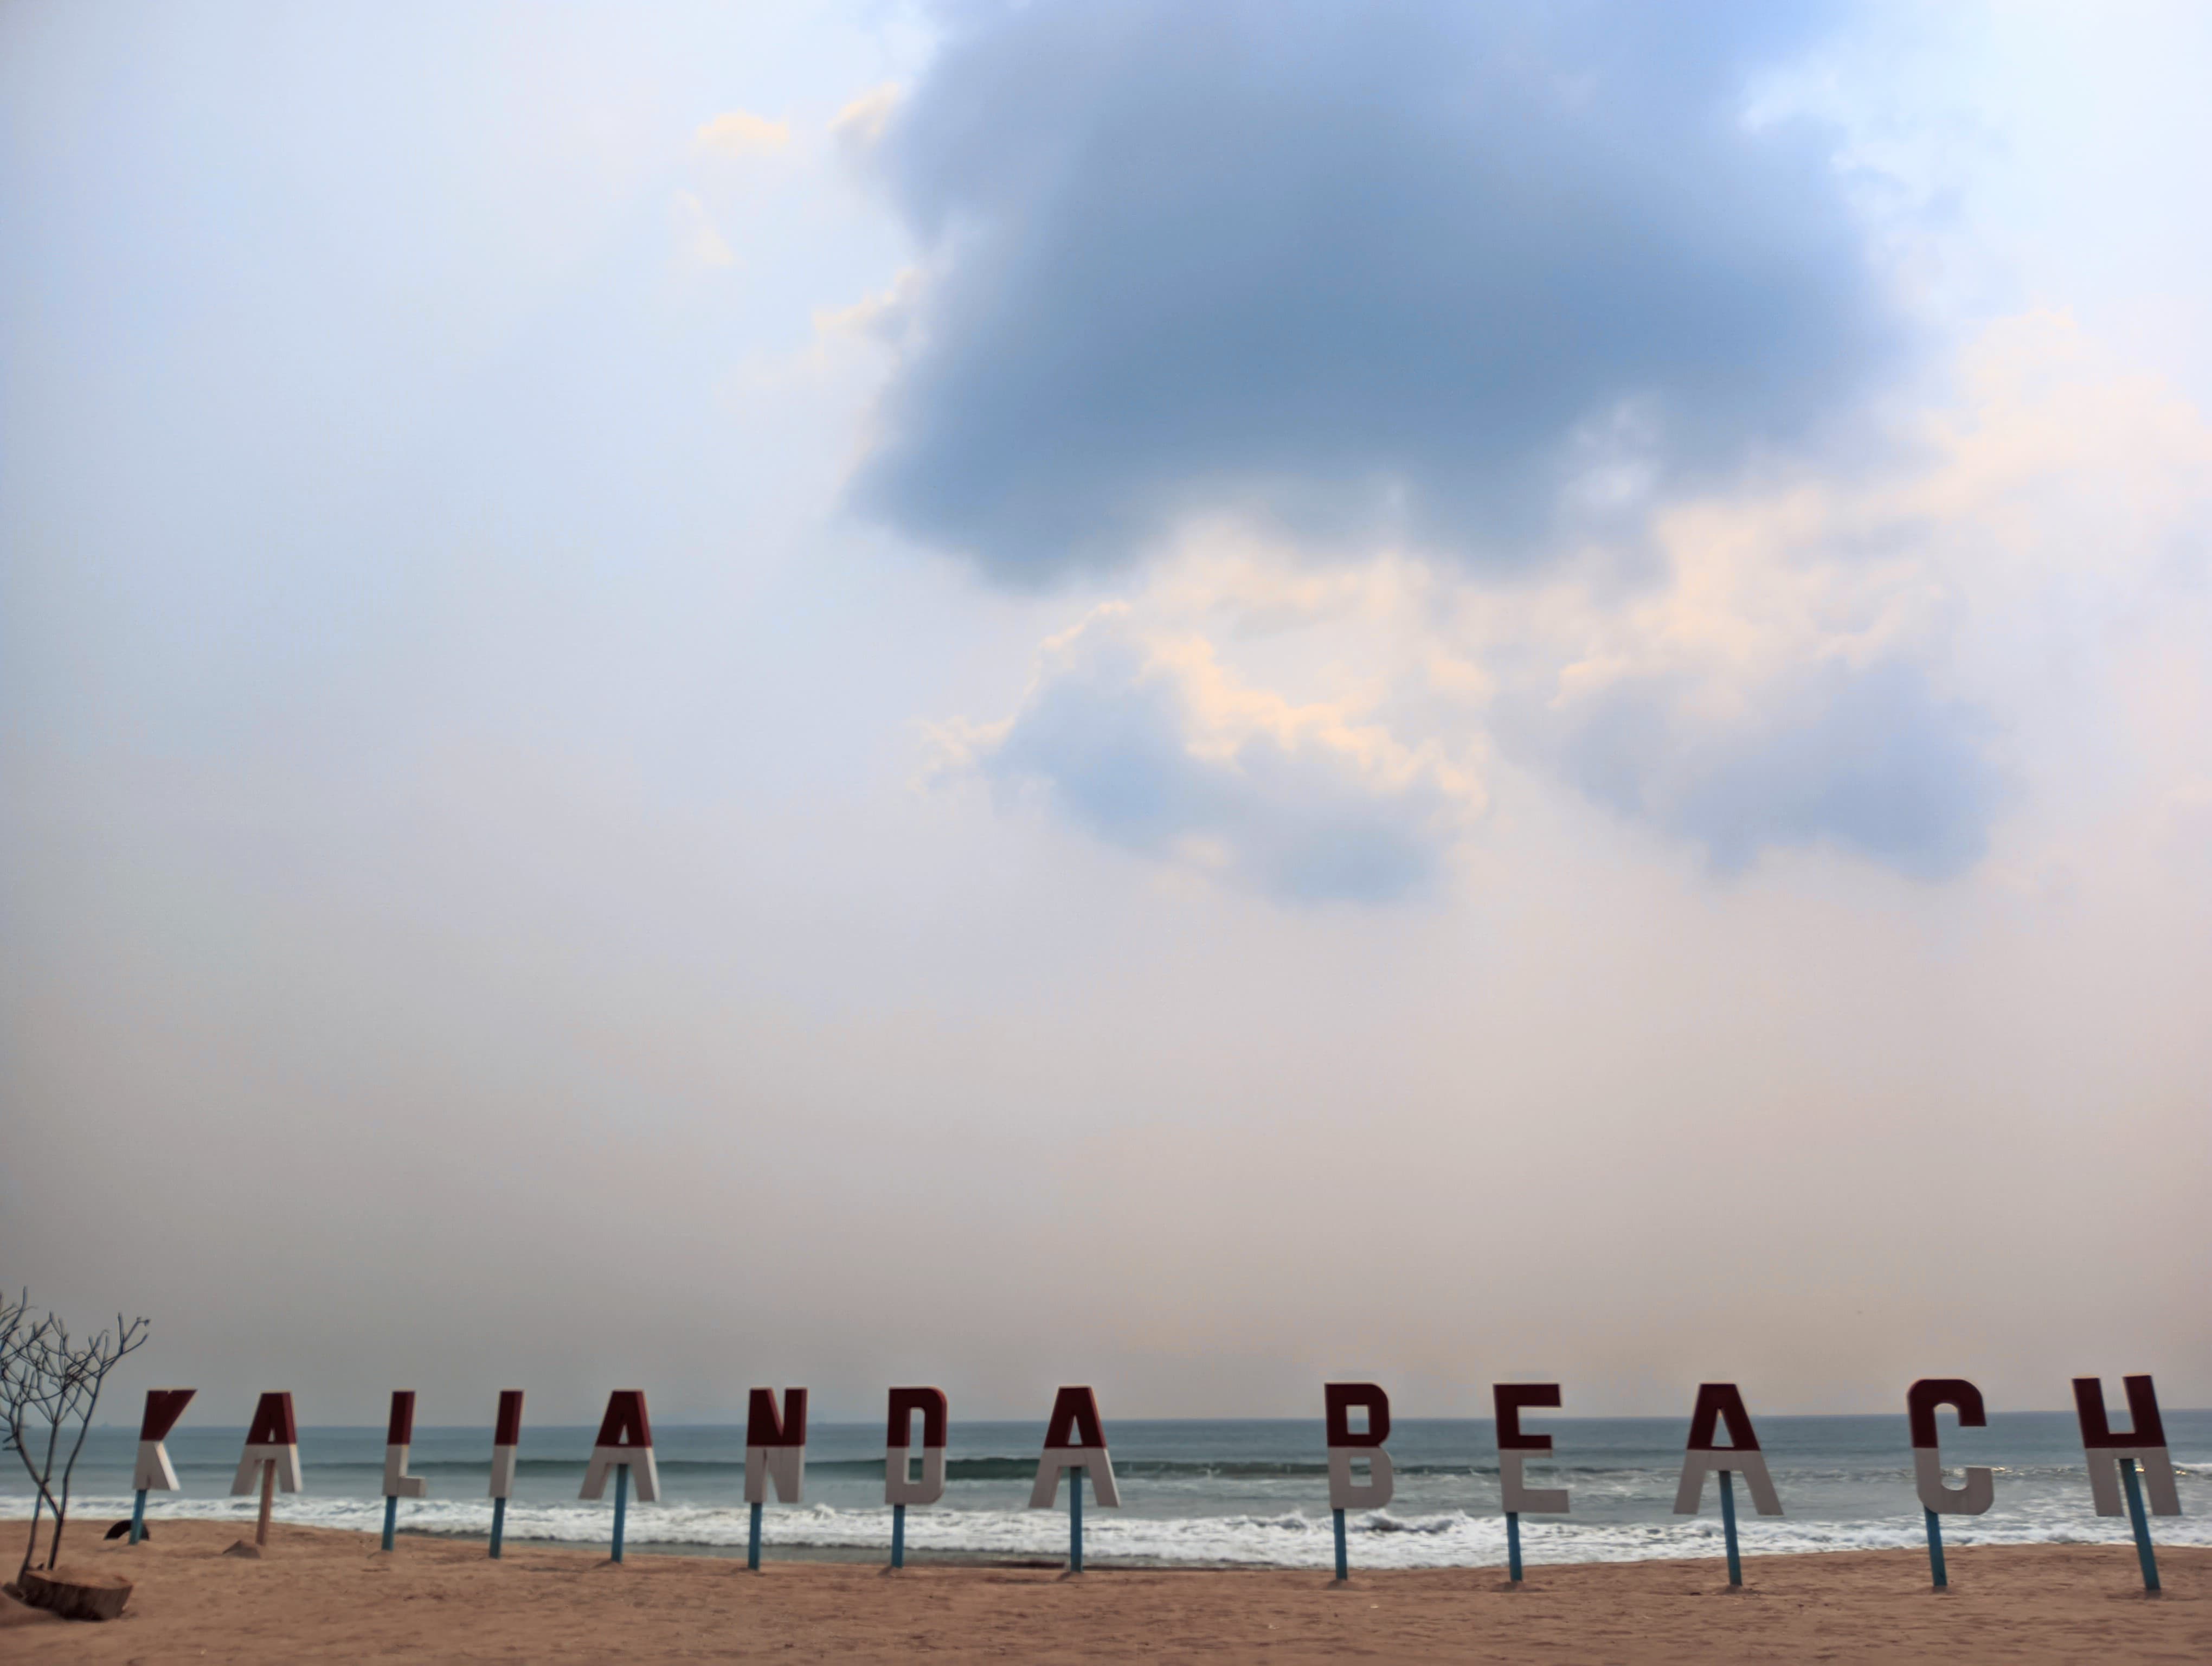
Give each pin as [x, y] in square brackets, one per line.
[323, 1594]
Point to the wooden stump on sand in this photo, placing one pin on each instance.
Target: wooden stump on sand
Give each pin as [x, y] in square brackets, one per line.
[76, 1593]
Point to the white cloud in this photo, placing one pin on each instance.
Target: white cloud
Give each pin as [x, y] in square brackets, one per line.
[698, 245]
[861, 124]
[738, 134]
[1145, 740]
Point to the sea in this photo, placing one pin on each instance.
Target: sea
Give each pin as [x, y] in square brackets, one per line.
[1193, 1493]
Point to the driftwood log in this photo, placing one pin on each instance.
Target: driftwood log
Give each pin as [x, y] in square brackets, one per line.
[75, 1593]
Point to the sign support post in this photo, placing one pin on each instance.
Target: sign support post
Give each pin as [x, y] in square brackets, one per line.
[752, 1540]
[1936, 1575]
[391, 1518]
[268, 1501]
[2143, 1553]
[1075, 1519]
[498, 1525]
[1727, 1526]
[1513, 1545]
[898, 1535]
[137, 1518]
[1343, 1560]
[622, 1506]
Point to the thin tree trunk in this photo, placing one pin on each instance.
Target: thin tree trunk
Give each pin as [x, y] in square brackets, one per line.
[31, 1548]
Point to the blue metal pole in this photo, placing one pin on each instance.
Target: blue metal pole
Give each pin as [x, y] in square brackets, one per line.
[2141, 1523]
[391, 1519]
[898, 1535]
[1513, 1545]
[1935, 1550]
[1075, 1520]
[498, 1525]
[622, 1504]
[1343, 1562]
[752, 1543]
[138, 1518]
[1727, 1526]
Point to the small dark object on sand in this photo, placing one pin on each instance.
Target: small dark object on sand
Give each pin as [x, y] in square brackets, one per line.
[122, 1530]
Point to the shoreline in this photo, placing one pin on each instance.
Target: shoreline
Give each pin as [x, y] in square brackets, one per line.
[331, 1593]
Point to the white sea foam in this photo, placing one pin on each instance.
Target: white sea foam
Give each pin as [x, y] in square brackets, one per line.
[1294, 1539]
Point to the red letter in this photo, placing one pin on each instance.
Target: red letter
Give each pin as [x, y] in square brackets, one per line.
[1338, 1400]
[1509, 1399]
[398, 1436]
[775, 1447]
[1920, 1403]
[163, 1407]
[2145, 1442]
[506, 1436]
[1719, 1402]
[900, 1487]
[1074, 1439]
[274, 1439]
[625, 1436]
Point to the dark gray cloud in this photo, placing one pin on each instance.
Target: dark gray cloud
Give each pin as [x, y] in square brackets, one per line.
[1454, 269]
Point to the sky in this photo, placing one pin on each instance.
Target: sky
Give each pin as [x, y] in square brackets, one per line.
[1197, 699]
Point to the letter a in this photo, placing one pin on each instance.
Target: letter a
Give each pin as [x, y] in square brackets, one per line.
[1719, 1402]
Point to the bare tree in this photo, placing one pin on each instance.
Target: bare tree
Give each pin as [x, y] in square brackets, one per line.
[49, 1381]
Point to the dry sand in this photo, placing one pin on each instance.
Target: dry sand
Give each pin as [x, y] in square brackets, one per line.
[322, 1595]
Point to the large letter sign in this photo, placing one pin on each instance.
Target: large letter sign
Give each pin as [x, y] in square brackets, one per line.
[273, 1440]
[1345, 1492]
[1510, 1400]
[1719, 1402]
[153, 1472]
[775, 1447]
[164, 1407]
[2144, 1442]
[1074, 1439]
[398, 1436]
[505, 1440]
[1920, 1403]
[900, 1486]
[625, 1440]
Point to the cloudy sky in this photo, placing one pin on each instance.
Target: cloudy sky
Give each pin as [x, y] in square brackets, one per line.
[1188, 698]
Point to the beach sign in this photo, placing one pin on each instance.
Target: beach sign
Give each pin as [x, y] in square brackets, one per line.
[272, 1449]
[1936, 1499]
[1347, 1490]
[1508, 1401]
[505, 1436]
[901, 1485]
[775, 1451]
[398, 1436]
[1074, 1441]
[625, 1442]
[154, 1472]
[1718, 1403]
[2112, 1459]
